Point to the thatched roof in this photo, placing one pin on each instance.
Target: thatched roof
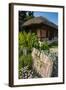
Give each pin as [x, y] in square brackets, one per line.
[39, 20]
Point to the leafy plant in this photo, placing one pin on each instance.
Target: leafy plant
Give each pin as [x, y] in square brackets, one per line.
[44, 46]
[53, 44]
[28, 40]
[35, 42]
[25, 61]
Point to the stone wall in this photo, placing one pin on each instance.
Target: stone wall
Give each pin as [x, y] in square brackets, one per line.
[42, 63]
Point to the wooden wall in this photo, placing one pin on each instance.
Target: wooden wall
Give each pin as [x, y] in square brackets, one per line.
[46, 32]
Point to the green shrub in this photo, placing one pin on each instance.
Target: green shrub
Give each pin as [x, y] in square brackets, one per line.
[44, 46]
[22, 40]
[27, 41]
[53, 44]
[25, 60]
[34, 40]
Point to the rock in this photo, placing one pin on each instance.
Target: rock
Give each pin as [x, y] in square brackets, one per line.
[43, 64]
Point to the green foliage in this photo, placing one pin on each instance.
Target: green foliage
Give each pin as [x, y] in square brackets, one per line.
[21, 40]
[25, 60]
[35, 42]
[53, 44]
[44, 46]
[28, 40]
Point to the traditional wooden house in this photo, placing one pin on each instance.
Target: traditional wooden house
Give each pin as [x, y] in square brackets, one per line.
[44, 28]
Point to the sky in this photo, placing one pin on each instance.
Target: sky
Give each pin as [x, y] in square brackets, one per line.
[51, 16]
